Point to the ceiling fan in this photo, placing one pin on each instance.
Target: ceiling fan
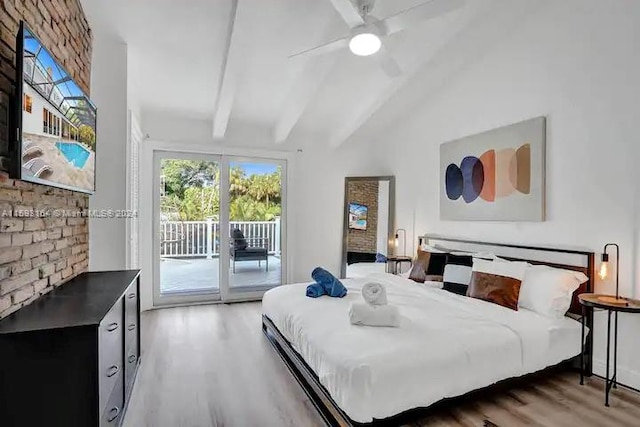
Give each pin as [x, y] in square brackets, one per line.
[367, 31]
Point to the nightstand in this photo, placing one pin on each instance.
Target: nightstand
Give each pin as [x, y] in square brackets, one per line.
[607, 302]
[394, 263]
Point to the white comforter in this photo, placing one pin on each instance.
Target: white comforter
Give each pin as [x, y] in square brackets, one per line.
[446, 345]
[364, 269]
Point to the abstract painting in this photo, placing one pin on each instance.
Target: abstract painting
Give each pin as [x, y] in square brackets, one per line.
[497, 175]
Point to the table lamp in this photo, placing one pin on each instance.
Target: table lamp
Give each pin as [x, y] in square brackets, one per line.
[404, 237]
[604, 271]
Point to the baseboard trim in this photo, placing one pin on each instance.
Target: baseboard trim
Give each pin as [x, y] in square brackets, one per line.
[626, 377]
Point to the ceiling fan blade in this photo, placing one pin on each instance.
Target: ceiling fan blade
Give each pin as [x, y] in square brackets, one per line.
[416, 15]
[348, 11]
[389, 65]
[332, 46]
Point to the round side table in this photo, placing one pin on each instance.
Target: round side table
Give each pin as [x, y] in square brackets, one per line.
[394, 263]
[608, 303]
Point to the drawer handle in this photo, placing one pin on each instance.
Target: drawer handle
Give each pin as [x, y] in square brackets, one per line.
[131, 327]
[131, 296]
[113, 414]
[132, 358]
[112, 370]
[112, 327]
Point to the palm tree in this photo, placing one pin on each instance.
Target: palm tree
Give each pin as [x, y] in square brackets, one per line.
[237, 181]
[257, 188]
[272, 186]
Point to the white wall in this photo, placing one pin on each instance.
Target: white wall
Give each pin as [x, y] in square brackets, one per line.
[167, 126]
[575, 62]
[383, 218]
[107, 236]
[317, 198]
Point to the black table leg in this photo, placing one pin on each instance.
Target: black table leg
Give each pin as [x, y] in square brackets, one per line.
[606, 381]
[584, 309]
[615, 353]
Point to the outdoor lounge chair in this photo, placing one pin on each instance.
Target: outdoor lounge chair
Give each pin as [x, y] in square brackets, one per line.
[29, 147]
[37, 167]
[248, 249]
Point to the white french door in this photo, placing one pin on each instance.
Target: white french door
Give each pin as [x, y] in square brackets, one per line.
[219, 227]
[255, 208]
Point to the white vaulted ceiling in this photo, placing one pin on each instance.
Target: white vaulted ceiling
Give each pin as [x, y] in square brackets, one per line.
[227, 62]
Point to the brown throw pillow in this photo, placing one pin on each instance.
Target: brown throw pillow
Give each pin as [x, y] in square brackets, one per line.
[428, 266]
[494, 288]
[420, 265]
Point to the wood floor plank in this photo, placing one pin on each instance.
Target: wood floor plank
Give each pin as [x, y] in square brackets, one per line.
[210, 365]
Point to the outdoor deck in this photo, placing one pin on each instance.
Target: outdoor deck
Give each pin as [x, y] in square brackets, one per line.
[199, 274]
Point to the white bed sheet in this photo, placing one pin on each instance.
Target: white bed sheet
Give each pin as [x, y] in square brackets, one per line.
[447, 345]
[363, 269]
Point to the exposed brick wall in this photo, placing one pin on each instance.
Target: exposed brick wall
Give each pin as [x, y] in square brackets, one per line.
[39, 253]
[364, 193]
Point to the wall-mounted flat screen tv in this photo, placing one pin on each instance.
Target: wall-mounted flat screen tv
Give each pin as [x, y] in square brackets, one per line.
[357, 216]
[56, 121]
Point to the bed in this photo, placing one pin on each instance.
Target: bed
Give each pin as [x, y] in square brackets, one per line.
[446, 346]
[364, 269]
[361, 264]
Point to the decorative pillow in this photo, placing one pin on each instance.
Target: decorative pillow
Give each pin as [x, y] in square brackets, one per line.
[497, 282]
[380, 257]
[427, 263]
[457, 273]
[549, 291]
[436, 284]
[239, 242]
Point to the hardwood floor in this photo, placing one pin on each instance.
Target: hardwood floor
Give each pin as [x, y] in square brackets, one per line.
[211, 366]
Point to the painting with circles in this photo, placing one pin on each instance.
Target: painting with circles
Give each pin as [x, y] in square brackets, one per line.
[498, 175]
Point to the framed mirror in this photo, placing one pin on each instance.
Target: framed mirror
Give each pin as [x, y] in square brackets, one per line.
[369, 223]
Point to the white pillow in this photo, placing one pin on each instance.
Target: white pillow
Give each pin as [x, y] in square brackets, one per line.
[432, 284]
[427, 248]
[514, 269]
[548, 291]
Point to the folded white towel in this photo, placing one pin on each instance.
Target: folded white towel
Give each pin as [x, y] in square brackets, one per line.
[374, 293]
[374, 315]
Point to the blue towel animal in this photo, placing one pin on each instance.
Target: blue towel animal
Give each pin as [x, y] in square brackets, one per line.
[332, 286]
[315, 290]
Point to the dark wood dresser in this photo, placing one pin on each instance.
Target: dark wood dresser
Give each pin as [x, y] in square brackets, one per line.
[71, 357]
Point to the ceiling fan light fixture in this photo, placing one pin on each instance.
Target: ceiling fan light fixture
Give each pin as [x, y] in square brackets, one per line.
[365, 44]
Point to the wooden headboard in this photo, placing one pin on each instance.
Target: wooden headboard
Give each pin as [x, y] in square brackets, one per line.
[569, 259]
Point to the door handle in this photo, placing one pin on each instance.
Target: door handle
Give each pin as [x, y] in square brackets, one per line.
[113, 369]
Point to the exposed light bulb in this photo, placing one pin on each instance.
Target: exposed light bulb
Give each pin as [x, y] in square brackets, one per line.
[365, 44]
[603, 270]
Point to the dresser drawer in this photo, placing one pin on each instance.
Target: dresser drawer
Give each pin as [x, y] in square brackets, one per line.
[115, 405]
[110, 352]
[131, 329]
[131, 302]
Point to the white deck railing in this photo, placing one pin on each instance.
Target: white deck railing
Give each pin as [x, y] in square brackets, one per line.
[202, 238]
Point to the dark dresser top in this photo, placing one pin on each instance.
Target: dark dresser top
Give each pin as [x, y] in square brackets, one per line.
[83, 300]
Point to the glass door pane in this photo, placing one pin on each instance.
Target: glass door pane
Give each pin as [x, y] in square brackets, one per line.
[188, 230]
[256, 224]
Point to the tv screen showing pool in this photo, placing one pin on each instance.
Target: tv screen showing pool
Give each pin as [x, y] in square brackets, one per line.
[58, 122]
[357, 216]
